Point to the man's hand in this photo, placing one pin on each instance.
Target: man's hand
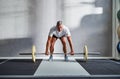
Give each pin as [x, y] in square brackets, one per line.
[71, 53]
[46, 53]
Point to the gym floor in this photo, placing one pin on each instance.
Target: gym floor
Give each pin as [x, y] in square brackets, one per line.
[59, 69]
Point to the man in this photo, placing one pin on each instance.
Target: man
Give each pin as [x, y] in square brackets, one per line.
[59, 32]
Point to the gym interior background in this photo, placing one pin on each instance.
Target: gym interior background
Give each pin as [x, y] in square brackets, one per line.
[24, 23]
[27, 22]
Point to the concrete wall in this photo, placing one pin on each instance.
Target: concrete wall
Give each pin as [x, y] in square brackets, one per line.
[90, 22]
[13, 47]
[14, 19]
[15, 30]
[27, 22]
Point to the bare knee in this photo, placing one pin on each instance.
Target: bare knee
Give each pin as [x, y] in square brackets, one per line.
[52, 46]
[63, 42]
[64, 45]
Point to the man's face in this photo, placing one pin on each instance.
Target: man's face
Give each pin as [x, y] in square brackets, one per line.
[60, 28]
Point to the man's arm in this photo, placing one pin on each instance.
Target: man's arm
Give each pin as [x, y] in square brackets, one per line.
[47, 45]
[71, 45]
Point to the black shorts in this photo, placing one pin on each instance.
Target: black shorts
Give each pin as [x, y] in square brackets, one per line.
[58, 37]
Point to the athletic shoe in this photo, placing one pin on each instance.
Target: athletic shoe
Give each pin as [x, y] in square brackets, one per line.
[50, 58]
[66, 58]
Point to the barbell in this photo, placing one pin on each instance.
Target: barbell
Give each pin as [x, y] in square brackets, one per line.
[34, 51]
[85, 53]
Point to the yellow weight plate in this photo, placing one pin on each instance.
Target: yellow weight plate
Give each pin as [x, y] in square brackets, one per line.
[33, 53]
[85, 52]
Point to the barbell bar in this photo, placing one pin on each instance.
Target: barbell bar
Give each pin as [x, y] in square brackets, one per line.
[85, 53]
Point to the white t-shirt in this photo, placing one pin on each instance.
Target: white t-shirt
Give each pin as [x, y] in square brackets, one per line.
[65, 32]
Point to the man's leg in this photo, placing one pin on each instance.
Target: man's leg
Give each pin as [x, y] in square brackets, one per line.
[63, 40]
[53, 40]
